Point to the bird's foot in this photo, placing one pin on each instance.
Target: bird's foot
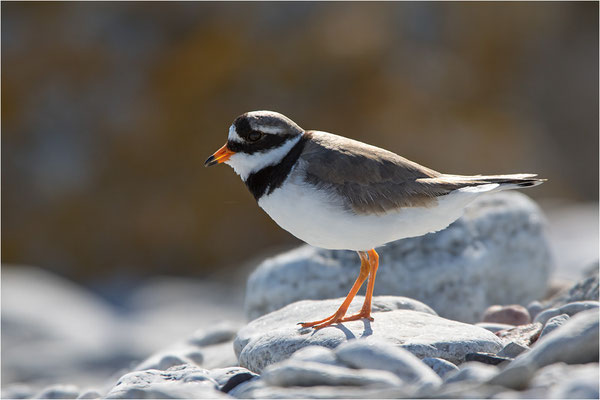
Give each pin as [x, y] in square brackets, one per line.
[336, 319]
[356, 317]
[332, 319]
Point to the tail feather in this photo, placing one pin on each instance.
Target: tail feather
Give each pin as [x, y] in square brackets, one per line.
[493, 182]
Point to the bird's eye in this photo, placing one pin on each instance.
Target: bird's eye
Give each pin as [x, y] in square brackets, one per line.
[254, 136]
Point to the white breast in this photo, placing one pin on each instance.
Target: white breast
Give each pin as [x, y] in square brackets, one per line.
[318, 218]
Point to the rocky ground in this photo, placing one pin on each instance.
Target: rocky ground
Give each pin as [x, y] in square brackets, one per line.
[484, 315]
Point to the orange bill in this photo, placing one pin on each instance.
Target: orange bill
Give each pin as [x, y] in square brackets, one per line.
[219, 156]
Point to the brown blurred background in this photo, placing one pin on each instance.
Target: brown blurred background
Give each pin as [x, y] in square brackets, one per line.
[110, 109]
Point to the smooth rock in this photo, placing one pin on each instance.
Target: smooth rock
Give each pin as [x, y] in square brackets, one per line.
[17, 391]
[559, 376]
[534, 308]
[480, 259]
[257, 389]
[569, 309]
[513, 314]
[440, 366]
[228, 378]
[318, 354]
[276, 336]
[472, 372]
[512, 350]
[209, 349]
[576, 342]
[224, 332]
[58, 392]
[524, 335]
[585, 289]
[161, 362]
[581, 385]
[182, 381]
[553, 323]
[219, 356]
[90, 394]
[306, 373]
[487, 358]
[493, 326]
[378, 355]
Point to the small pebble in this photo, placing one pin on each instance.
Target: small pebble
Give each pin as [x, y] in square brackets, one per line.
[58, 392]
[318, 354]
[90, 394]
[513, 314]
[472, 372]
[569, 309]
[486, 358]
[512, 350]
[554, 323]
[440, 366]
[534, 308]
[524, 335]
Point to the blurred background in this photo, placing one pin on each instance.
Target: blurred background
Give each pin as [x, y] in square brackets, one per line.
[110, 109]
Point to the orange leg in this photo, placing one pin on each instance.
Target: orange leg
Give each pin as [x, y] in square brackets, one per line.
[368, 267]
[365, 267]
[365, 311]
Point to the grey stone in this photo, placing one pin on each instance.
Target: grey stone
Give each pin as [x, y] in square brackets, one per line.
[585, 289]
[494, 326]
[17, 391]
[228, 378]
[487, 358]
[559, 375]
[553, 323]
[374, 354]
[257, 389]
[580, 385]
[440, 366]
[513, 314]
[498, 241]
[161, 362]
[214, 352]
[534, 308]
[90, 394]
[576, 342]
[276, 336]
[223, 332]
[512, 350]
[307, 373]
[569, 309]
[524, 335]
[219, 356]
[182, 381]
[58, 392]
[472, 372]
[318, 354]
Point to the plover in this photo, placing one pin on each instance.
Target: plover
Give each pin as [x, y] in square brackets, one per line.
[338, 193]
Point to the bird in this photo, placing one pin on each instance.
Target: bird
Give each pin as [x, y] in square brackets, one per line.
[338, 193]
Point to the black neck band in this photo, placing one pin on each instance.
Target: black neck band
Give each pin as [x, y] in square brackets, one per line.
[270, 178]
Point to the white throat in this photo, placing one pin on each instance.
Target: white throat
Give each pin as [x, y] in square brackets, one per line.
[245, 164]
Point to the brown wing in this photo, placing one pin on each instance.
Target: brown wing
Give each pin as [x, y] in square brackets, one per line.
[370, 180]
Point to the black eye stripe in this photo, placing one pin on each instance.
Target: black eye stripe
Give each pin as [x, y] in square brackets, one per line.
[266, 143]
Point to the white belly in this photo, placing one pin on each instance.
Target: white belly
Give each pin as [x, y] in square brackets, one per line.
[317, 219]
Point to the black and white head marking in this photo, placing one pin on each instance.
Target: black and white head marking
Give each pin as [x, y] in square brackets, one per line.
[260, 139]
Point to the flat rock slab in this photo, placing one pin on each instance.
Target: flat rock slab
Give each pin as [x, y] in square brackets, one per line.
[276, 336]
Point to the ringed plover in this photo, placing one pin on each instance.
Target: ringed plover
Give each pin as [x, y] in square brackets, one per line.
[338, 193]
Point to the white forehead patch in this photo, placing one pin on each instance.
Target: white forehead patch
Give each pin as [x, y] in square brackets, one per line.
[266, 129]
[233, 135]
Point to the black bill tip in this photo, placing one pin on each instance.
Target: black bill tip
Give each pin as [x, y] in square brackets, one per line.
[210, 161]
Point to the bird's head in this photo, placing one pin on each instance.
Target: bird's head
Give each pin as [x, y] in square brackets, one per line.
[256, 140]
